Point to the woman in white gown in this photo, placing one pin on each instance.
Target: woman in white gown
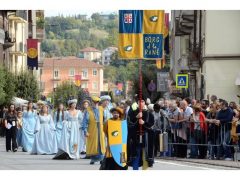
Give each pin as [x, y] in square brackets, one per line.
[45, 141]
[70, 139]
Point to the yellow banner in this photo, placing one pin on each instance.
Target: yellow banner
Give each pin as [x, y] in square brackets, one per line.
[153, 21]
[130, 46]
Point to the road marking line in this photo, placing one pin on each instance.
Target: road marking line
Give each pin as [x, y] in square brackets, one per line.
[176, 164]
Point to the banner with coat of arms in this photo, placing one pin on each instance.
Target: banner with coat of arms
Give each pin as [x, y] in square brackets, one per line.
[141, 34]
[32, 53]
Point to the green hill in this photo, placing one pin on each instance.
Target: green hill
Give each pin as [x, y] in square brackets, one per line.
[65, 36]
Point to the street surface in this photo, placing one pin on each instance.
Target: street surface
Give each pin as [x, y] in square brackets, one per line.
[24, 161]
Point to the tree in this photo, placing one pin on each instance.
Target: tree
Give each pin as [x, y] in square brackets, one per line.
[10, 86]
[63, 93]
[27, 86]
[2, 85]
[96, 18]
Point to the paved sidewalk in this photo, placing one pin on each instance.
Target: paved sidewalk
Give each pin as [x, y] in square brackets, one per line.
[223, 163]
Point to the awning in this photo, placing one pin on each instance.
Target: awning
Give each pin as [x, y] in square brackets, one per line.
[19, 101]
[237, 82]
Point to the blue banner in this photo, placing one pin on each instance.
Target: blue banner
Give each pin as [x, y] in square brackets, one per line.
[152, 45]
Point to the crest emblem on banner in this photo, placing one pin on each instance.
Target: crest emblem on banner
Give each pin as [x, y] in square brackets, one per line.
[128, 48]
[32, 53]
[153, 18]
[128, 18]
[117, 134]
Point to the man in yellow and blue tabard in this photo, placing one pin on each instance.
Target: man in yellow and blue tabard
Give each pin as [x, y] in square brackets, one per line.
[93, 129]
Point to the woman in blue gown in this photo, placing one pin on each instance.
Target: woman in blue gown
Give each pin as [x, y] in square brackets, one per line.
[29, 123]
[69, 144]
[45, 141]
[59, 117]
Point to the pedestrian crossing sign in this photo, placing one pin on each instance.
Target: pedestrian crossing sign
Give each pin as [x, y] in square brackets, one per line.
[182, 81]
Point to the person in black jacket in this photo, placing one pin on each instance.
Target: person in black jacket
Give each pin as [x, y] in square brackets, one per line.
[224, 119]
[140, 150]
[11, 129]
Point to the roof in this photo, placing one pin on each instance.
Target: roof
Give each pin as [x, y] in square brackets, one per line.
[70, 61]
[90, 49]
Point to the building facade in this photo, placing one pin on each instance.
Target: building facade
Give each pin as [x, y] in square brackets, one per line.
[206, 45]
[90, 54]
[6, 41]
[57, 70]
[16, 26]
[107, 55]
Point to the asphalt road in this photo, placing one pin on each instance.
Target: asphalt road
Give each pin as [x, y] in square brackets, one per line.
[24, 161]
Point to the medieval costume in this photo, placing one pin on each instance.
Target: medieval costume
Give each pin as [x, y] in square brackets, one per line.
[69, 143]
[82, 148]
[140, 153]
[109, 106]
[45, 141]
[93, 130]
[19, 129]
[116, 132]
[28, 126]
[58, 121]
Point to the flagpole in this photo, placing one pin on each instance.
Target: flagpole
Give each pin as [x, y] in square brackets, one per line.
[140, 97]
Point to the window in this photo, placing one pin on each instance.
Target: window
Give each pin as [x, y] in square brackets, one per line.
[85, 73]
[56, 73]
[84, 85]
[72, 72]
[94, 72]
[95, 85]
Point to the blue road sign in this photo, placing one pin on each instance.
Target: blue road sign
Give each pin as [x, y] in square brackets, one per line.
[182, 81]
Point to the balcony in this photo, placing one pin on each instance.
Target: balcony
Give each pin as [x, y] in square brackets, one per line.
[56, 79]
[17, 19]
[189, 62]
[184, 24]
[20, 49]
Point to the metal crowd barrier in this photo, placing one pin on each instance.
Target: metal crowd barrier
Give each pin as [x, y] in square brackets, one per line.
[192, 135]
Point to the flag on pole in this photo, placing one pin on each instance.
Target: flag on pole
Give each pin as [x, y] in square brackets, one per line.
[166, 33]
[78, 80]
[32, 53]
[141, 34]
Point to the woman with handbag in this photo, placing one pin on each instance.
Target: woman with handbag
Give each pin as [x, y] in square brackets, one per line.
[11, 129]
[200, 131]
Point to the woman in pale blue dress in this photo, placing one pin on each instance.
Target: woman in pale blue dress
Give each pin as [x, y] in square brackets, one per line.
[29, 123]
[69, 144]
[45, 141]
[59, 117]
